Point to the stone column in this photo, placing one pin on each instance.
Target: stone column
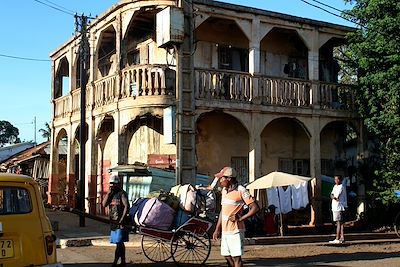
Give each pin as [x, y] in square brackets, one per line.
[313, 69]
[254, 47]
[53, 172]
[53, 169]
[361, 149]
[315, 171]
[255, 148]
[91, 163]
[70, 175]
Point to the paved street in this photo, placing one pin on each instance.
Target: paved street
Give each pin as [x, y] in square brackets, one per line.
[318, 254]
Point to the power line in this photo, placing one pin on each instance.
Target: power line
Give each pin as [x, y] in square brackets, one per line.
[308, 3]
[24, 58]
[331, 7]
[62, 9]
[340, 16]
[69, 10]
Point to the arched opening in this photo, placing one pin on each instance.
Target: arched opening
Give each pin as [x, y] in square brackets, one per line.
[144, 136]
[61, 80]
[59, 184]
[284, 54]
[106, 159]
[285, 147]
[107, 60]
[139, 38]
[232, 50]
[76, 162]
[222, 140]
[328, 63]
[339, 141]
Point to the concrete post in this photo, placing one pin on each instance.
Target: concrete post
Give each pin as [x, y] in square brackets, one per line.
[315, 171]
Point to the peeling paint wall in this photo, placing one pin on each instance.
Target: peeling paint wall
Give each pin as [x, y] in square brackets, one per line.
[219, 138]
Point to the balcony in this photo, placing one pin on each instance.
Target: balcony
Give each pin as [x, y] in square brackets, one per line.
[158, 80]
[263, 90]
[133, 83]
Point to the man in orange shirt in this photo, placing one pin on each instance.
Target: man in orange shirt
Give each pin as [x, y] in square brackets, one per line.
[231, 218]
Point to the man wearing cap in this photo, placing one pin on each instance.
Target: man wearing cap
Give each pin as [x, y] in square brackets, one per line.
[118, 207]
[231, 218]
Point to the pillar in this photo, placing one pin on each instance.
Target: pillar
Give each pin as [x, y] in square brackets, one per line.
[315, 171]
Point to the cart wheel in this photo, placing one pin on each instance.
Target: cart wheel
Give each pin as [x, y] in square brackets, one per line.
[190, 248]
[155, 249]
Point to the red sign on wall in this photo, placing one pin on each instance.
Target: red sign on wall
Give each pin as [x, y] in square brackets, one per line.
[165, 161]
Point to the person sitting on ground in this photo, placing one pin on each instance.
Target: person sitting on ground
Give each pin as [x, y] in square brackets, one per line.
[271, 227]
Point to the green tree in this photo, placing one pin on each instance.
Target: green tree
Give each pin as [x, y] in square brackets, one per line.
[8, 133]
[374, 49]
[46, 132]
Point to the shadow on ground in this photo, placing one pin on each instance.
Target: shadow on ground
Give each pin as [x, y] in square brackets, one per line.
[334, 260]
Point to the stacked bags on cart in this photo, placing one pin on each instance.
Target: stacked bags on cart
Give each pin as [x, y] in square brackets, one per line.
[193, 202]
[156, 211]
[163, 210]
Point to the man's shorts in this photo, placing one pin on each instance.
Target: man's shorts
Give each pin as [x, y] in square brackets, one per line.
[338, 216]
[232, 244]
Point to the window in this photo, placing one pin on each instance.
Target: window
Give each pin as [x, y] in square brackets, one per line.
[134, 57]
[232, 58]
[14, 200]
[241, 165]
[285, 165]
[295, 166]
[327, 167]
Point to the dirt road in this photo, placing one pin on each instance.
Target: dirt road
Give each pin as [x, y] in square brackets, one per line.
[318, 254]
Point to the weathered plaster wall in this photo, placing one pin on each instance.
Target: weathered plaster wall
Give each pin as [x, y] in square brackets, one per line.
[219, 138]
[110, 149]
[283, 139]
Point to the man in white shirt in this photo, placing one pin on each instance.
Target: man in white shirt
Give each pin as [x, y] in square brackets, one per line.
[339, 204]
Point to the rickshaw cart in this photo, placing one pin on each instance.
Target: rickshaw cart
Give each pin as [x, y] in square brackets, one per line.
[188, 244]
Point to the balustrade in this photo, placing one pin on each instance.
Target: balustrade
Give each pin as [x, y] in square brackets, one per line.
[145, 80]
[105, 91]
[259, 89]
[62, 106]
[334, 96]
[154, 80]
[136, 81]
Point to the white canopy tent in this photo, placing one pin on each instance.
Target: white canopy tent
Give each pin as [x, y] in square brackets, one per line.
[276, 179]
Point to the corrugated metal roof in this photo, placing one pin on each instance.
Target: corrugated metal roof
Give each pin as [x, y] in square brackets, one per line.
[25, 155]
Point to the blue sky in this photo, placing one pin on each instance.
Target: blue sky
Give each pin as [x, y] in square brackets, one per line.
[31, 29]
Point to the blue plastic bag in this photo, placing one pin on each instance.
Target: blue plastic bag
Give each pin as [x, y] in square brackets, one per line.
[119, 236]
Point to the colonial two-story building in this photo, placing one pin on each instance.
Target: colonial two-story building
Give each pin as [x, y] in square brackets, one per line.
[209, 84]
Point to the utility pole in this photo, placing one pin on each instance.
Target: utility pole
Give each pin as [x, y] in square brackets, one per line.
[34, 129]
[81, 26]
[185, 122]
